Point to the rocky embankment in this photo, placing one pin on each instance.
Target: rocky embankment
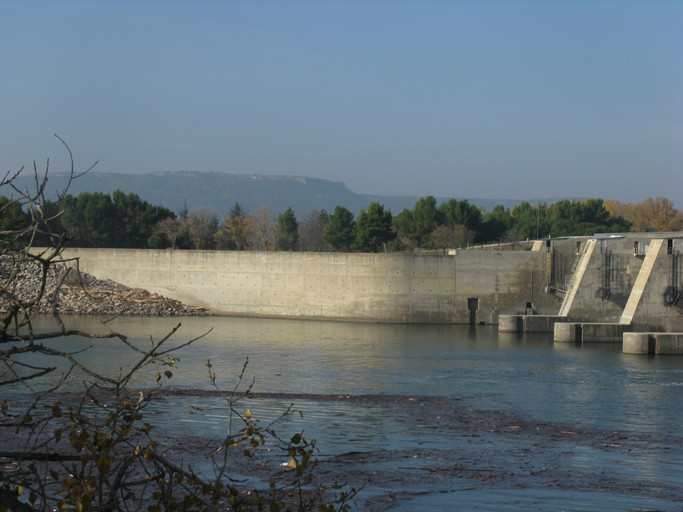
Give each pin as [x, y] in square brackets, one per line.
[81, 293]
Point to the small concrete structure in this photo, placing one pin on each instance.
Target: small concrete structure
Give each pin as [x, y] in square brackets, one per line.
[511, 323]
[590, 332]
[653, 343]
[529, 323]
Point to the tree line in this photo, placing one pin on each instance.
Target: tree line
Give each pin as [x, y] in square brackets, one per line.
[119, 220]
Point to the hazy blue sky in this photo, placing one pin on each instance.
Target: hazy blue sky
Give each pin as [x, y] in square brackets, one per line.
[495, 99]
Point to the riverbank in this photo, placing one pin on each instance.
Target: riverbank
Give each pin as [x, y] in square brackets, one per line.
[83, 294]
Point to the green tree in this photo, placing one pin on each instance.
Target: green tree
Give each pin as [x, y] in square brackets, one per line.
[155, 242]
[495, 224]
[95, 219]
[461, 213]
[416, 225]
[426, 217]
[286, 230]
[184, 212]
[137, 219]
[530, 222]
[12, 216]
[403, 224]
[340, 232]
[91, 219]
[373, 229]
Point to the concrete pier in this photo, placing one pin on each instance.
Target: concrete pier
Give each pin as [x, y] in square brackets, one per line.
[510, 323]
[529, 323]
[653, 343]
[590, 332]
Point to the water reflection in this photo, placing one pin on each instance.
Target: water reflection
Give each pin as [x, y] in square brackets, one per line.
[527, 374]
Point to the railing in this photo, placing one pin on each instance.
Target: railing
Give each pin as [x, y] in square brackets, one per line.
[494, 246]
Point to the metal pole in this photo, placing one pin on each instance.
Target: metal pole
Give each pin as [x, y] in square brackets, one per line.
[538, 218]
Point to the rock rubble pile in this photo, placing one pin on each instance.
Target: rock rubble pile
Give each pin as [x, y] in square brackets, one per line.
[82, 293]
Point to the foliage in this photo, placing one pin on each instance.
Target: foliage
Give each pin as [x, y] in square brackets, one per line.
[100, 220]
[373, 229]
[120, 220]
[496, 224]
[340, 232]
[202, 225]
[98, 449]
[12, 216]
[528, 221]
[261, 237]
[565, 218]
[155, 242]
[234, 232]
[184, 211]
[403, 224]
[312, 231]
[456, 222]
[447, 237]
[653, 214]
[286, 230]
[173, 230]
[461, 213]
[417, 225]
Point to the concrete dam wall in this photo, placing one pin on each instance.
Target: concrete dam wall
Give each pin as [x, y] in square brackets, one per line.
[472, 287]
[617, 284]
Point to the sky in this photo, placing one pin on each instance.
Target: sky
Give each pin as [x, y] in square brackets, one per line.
[481, 99]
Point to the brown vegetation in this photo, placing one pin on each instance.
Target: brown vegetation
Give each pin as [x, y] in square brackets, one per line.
[653, 214]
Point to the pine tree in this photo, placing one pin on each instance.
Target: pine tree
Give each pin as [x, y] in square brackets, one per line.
[287, 230]
[340, 232]
[373, 229]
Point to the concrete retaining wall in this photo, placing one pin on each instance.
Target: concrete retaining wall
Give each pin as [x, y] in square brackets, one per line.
[470, 287]
[371, 287]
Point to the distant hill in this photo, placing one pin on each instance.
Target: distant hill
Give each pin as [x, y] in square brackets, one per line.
[219, 192]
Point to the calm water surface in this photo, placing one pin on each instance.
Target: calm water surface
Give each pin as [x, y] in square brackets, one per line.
[525, 375]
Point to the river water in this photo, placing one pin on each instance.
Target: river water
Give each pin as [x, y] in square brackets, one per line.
[553, 426]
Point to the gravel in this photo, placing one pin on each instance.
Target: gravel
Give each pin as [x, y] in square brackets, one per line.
[82, 293]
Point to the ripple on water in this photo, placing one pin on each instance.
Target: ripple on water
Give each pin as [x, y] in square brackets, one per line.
[524, 375]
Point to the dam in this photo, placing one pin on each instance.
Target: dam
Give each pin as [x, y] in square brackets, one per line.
[632, 278]
[470, 287]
